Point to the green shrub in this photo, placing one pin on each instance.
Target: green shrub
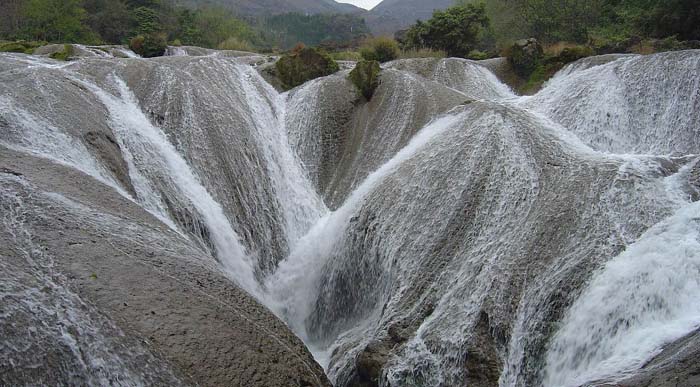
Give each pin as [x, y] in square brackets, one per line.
[235, 44]
[63, 55]
[457, 30]
[21, 46]
[422, 53]
[149, 45]
[302, 65]
[176, 43]
[381, 49]
[365, 76]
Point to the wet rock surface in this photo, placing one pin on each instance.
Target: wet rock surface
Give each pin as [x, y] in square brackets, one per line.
[158, 304]
[469, 232]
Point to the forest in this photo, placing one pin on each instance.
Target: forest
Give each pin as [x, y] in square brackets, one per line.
[474, 28]
[118, 21]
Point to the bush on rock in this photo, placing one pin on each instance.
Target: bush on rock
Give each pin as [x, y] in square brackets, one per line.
[302, 65]
[365, 76]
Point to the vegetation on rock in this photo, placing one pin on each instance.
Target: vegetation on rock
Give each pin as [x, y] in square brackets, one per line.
[302, 65]
[149, 45]
[21, 46]
[525, 56]
[381, 49]
[64, 54]
[365, 76]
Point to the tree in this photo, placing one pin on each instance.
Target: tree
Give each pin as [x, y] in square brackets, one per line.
[457, 30]
[10, 17]
[55, 20]
[110, 19]
[147, 21]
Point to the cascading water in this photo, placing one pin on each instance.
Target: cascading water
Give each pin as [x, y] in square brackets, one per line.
[452, 253]
[155, 160]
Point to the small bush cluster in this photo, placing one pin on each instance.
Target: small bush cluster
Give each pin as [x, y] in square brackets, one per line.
[535, 64]
[302, 65]
[149, 45]
[381, 49]
[365, 76]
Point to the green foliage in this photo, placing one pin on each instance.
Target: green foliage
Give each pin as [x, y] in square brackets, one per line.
[118, 21]
[331, 30]
[235, 44]
[346, 55]
[21, 46]
[612, 24]
[149, 45]
[110, 20]
[525, 56]
[302, 65]
[458, 30]
[216, 26]
[147, 21]
[54, 20]
[365, 76]
[478, 55]
[422, 53]
[381, 49]
[63, 55]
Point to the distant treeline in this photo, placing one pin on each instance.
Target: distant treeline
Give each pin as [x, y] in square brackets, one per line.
[583, 21]
[332, 31]
[117, 21]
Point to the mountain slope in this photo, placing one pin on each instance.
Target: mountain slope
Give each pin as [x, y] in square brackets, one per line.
[390, 16]
[274, 7]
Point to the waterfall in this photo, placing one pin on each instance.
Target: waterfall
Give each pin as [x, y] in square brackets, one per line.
[295, 284]
[154, 159]
[446, 232]
[641, 300]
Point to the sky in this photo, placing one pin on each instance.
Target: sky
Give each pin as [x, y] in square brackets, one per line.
[366, 4]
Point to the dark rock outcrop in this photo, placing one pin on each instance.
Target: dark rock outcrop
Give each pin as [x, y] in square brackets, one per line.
[525, 55]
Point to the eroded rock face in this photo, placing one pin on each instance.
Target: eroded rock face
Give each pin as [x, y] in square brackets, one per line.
[110, 295]
[473, 235]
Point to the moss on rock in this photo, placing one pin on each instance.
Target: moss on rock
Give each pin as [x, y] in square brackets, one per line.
[64, 54]
[365, 76]
[21, 46]
[149, 45]
[303, 65]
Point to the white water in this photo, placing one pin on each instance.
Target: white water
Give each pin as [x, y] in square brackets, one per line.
[632, 307]
[641, 300]
[38, 137]
[294, 285]
[301, 204]
[153, 156]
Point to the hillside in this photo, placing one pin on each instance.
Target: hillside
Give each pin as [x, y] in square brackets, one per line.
[274, 7]
[390, 16]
